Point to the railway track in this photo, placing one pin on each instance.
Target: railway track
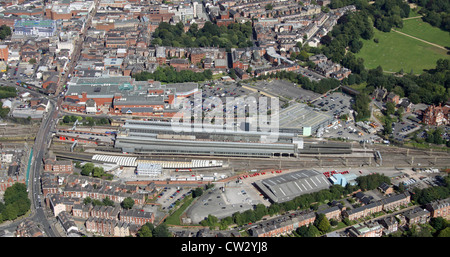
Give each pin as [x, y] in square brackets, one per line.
[391, 157]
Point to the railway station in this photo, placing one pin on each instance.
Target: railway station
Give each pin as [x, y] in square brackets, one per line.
[160, 137]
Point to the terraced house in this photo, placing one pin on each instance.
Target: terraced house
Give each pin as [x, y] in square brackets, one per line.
[107, 227]
[283, 225]
[439, 208]
[139, 217]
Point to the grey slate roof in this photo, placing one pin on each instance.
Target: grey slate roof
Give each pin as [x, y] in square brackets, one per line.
[288, 186]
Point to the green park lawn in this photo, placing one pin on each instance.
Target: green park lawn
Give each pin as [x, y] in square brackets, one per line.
[396, 51]
[423, 30]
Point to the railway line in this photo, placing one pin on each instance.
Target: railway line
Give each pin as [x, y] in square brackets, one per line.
[391, 157]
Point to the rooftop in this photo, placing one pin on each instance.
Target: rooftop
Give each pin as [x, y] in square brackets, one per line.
[288, 186]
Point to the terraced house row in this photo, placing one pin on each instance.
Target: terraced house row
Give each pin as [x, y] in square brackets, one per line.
[288, 223]
[387, 204]
[100, 193]
[72, 186]
[283, 225]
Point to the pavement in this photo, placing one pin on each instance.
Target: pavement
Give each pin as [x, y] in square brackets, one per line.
[43, 137]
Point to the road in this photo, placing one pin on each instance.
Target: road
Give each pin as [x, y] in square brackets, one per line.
[42, 141]
[44, 136]
[76, 52]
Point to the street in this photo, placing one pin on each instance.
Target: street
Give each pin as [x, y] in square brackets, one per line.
[42, 140]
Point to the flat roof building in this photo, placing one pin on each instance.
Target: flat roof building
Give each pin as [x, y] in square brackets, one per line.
[41, 28]
[123, 95]
[148, 169]
[302, 116]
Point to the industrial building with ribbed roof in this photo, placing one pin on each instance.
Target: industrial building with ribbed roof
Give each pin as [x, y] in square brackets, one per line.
[286, 187]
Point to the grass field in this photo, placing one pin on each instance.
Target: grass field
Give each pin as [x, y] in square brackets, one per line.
[413, 13]
[395, 52]
[423, 30]
[174, 218]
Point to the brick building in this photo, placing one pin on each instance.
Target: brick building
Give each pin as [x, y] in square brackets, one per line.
[28, 228]
[332, 213]
[105, 212]
[369, 229]
[107, 227]
[4, 53]
[49, 184]
[436, 115]
[81, 210]
[139, 217]
[396, 201]
[416, 216]
[52, 165]
[179, 64]
[59, 203]
[439, 208]
[283, 225]
[363, 211]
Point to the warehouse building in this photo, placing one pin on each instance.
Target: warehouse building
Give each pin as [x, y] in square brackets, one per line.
[288, 186]
[302, 117]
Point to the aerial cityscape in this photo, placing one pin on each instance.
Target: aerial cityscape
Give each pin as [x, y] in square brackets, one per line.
[217, 118]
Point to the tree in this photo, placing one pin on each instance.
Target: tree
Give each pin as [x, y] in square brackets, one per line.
[98, 172]
[442, 65]
[238, 218]
[414, 98]
[303, 55]
[107, 202]
[127, 203]
[400, 112]
[87, 200]
[90, 121]
[372, 181]
[97, 202]
[355, 46]
[5, 31]
[145, 231]
[87, 169]
[390, 108]
[197, 192]
[322, 223]
[260, 211]
[437, 136]
[16, 202]
[10, 212]
[211, 221]
[361, 106]
[312, 231]
[161, 231]
[438, 223]
[445, 232]
[387, 128]
[302, 231]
